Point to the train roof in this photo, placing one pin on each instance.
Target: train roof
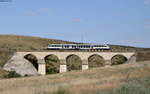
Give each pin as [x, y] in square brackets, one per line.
[79, 44]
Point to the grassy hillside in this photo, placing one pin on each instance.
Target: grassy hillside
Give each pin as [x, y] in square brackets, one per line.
[127, 78]
[25, 43]
[12, 43]
[28, 43]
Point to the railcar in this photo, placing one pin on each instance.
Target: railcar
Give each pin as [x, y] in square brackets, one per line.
[77, 47]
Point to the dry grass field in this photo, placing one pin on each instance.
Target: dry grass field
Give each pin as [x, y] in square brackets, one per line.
[78, 82]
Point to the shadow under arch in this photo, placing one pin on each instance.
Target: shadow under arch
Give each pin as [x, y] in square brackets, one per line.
[118, 59]
[52, 64]
[96, 60]
[32, 59]
[73, 62]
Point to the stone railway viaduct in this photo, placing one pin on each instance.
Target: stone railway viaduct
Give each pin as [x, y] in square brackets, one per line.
[62, 56]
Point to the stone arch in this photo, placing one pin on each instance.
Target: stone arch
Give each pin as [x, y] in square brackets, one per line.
[96, 60]
[73, 62]
[32, 59]
[52, 64]
[118, 59]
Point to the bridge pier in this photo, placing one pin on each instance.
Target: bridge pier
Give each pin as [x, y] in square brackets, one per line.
[63, 66]
[85, 65]
[132, 59]
[41, 67]
[107, 62]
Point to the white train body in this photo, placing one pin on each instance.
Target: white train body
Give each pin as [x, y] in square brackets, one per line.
[77, 47]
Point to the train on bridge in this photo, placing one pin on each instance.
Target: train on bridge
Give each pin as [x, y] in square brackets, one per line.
[78, 47]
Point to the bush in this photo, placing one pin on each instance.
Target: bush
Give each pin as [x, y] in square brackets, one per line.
[62, 91]
[73, 63]
[118, 59]
[133, 86]
[12, 74]
[42, 93]
[53, 70]
[52, 64]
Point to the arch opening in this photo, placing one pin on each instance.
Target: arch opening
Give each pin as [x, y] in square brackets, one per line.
[96, 61]
[52, 64]
[118, 59]
[32, 59]
[74, 62]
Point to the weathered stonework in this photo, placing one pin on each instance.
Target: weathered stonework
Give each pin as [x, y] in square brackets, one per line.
[63, 68]
[107, 56]
[21, 66]
[42, 69]
[85, 67]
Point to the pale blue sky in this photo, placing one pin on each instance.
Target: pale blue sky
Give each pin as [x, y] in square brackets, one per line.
[122, 22]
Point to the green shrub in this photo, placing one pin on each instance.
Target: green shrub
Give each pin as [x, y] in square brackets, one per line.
[133, 89]
[73, 63]
[118, 59]
[53, 70]
[133, 86]
[12, 74]
[62, 91]
[96, 61]
[26, 75]
[52, 64]
[42, 93]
